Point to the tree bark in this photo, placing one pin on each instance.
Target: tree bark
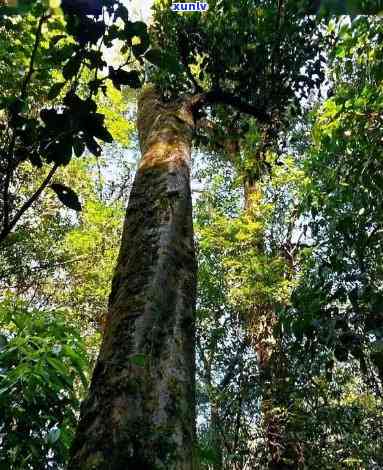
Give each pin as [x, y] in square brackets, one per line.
[216, 440]
[140, 412]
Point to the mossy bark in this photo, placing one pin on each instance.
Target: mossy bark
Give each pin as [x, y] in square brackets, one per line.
[140, 412]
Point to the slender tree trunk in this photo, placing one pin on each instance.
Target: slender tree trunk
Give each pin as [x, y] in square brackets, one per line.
[271, 367]
[140, 412]
[215, 429]
[216, 444]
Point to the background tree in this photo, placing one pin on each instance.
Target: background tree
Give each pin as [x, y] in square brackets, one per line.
[321, 405]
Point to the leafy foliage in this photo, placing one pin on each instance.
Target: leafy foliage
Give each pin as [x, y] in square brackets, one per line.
[50, 115]
[339, 300]
[260, 72]
[322, 410]
[44, 369]
[56, 259]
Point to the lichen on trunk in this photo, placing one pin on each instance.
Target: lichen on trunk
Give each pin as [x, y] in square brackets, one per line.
[140, 411]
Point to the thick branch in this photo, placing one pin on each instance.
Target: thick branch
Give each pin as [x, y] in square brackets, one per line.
[222, 97]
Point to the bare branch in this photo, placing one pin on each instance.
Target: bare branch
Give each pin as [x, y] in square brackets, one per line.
[221, 97]
[11, 164]
[7, 230]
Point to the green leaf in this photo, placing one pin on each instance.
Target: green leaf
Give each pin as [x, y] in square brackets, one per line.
[94, 126]
[122, 12]
[55, 90]
[3, 342]
[60, 151]
[136, 28]
[78, 363]
[170, 63]
[93, 146]
[60, 369]
[103, 134]
[57, 38]
[4, 390]
[154, 56]
[67, 196]
[72, 67]
[122, 77]
[78, 146]
[139, 49]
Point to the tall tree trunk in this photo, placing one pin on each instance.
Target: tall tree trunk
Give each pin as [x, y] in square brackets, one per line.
[282, 451]
[140, 412]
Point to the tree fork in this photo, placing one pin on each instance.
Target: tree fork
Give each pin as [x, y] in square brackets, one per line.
[140, 411]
